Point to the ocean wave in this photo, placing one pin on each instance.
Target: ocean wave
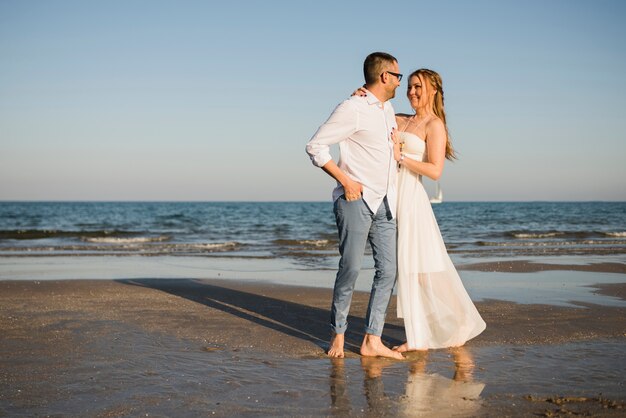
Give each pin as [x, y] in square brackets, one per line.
[563, 234]
[537, 234]
[118, 240]
[139, 248]
[548, 243]
[541, 251]
[306, 242]
[28, 234]
[220, 246]
[315, 242]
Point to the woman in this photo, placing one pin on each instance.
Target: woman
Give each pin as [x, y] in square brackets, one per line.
[437, 310]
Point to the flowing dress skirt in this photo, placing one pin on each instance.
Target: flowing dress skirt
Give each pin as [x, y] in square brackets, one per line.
[436, 308]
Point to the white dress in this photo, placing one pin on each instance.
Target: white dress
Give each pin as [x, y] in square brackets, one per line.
[436, 308]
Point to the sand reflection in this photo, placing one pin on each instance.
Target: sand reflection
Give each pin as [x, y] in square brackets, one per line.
[435, 395]
[423, 394]
[339, 395]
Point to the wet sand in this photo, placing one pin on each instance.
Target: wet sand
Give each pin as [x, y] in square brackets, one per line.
[527, 266]
[617, 290]
[94, 342]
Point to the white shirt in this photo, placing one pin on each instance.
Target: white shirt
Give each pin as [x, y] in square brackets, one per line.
[362, 128]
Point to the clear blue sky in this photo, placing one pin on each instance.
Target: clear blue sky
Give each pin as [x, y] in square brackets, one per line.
[188, 100]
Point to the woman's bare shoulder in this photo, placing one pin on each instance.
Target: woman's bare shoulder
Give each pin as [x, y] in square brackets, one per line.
[435, 128]
[435, 124]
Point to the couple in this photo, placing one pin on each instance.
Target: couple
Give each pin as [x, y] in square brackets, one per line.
[371, 193]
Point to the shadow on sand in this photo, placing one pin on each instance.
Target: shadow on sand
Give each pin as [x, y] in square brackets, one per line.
[308, 323]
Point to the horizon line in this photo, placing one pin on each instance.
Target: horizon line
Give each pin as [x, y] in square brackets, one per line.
[288, 201]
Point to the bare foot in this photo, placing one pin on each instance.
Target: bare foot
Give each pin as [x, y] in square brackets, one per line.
[405, 348]
[401, 348]
[336, 346]
[373, 347]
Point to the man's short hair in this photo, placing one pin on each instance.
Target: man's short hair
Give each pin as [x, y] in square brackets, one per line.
[375, 64]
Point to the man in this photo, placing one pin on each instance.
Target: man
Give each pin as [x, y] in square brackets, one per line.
[364, 199]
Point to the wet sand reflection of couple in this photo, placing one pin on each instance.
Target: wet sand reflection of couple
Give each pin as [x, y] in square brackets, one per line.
[425, 394]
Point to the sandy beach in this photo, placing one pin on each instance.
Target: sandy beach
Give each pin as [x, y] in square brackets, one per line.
[529, 266]
[223, 347]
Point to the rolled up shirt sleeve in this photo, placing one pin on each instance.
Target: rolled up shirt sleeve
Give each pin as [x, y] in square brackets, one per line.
[341, 124]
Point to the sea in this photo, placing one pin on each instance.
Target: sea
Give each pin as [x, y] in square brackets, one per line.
[303, 233]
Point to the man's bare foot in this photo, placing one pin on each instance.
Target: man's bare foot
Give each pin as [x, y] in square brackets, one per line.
[336, 346]
[373, 347]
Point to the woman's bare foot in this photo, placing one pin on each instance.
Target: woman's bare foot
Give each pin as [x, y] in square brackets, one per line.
[401, 348]
[404, 348]
[373, 347]
[336, 346]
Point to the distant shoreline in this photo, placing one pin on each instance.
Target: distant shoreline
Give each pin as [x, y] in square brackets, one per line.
[287, 201]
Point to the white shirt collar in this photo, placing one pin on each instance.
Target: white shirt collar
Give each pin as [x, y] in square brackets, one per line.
[372, 99]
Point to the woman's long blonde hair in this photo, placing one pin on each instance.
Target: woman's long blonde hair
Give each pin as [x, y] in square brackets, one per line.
[435, 81]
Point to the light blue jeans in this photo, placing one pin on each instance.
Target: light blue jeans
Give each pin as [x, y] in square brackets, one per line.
[357, 225]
